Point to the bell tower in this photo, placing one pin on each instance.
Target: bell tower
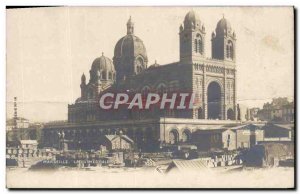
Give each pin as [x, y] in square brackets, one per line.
[192, 39]
[223, 41]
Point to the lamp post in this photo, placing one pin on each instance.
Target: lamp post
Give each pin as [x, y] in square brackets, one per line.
[59, 136]
[61, 140]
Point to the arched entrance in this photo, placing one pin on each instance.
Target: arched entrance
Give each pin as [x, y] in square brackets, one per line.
[186, 135]
[200, 113]
[230, 114]
[214, 101]
[174, 136]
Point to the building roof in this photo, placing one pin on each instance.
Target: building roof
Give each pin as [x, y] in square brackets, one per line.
[34, 142]
[247, 126]
[130, 45]
[191, 19]
[214, 130]
[223, 26]
[103, 63]
[19, 119]
[112, 137]
[187, 165]
[285, 126]
[278, 126]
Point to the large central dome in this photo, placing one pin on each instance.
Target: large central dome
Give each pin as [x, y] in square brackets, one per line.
[130, 45]
[130, 56]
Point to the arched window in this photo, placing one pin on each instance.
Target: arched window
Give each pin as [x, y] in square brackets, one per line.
[161, 88]
[229, 50]
[103, 75]
[110, 75]
[173, 136]
[139, 64]
[198, 44]
[186, 135]
[200, 113]
[230, 114]
[145, 91]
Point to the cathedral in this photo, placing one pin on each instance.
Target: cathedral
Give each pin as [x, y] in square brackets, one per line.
[211, 79]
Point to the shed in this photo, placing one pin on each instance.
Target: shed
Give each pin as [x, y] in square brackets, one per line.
[28, 144]
[117, 142]
[184, 166]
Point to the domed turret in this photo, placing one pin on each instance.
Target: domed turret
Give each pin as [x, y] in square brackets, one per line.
[191, 20]
[130, 46]
[223, 41]
[223, 27]
[130, 56]
[103, 68]
[192, 39]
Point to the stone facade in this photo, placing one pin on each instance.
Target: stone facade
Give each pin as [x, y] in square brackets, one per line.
[147, 134]
[213, 80]
[248, 135]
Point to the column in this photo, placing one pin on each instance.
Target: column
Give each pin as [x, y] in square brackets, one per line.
[234, 98]
[225, 94]
[204, 96]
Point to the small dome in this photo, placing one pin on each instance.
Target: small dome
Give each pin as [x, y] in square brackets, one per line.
[191, 19]
[130, 46]
[223, 26]
[102, 64]
[102, 67]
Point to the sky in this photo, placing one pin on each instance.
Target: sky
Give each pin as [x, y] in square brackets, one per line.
[48, 49]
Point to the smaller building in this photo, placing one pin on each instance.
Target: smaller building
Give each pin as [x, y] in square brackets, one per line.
[278, 131]
[28, 144]
[117, 142]
[252, 114]
[288, 112]
[269, 153]
[279, 110]
[248, 135]
[18, 123]
[215, 139]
